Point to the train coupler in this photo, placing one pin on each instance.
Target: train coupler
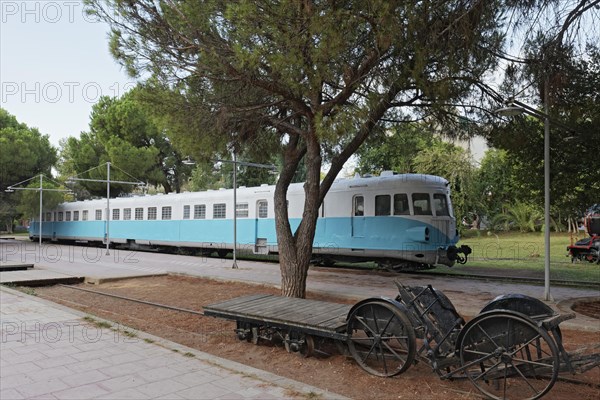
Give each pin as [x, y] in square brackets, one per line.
[458, 254]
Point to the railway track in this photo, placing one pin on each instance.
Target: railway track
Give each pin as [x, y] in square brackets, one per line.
[515, 279]
[436, 272]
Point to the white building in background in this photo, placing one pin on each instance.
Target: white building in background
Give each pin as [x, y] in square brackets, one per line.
[476, 146]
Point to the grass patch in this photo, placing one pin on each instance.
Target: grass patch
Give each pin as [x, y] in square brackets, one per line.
[97, 324]
[524, 251]
[26, 289]
[129, 334]
[148, 340]
[188, 354]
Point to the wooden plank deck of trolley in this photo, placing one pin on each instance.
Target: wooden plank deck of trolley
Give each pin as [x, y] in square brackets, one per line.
[311, 317]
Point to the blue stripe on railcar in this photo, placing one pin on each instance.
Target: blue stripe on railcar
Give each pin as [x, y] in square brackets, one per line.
[379, 233]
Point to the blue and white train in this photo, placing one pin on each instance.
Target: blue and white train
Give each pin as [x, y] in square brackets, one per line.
[399, 221]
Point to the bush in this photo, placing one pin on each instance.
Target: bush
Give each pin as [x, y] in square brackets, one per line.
[518, 216]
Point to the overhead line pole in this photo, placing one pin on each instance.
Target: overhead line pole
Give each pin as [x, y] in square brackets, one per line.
[108, 182]
[235, 163]
[41, 190]
[107, 207]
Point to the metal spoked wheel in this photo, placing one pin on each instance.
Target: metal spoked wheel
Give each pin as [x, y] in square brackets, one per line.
[381, 338]
[506, 356]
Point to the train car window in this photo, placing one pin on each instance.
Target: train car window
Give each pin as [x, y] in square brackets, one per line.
[55, 216]
[116, 214]
[75, 215]
[127, 214]
[199, 211]
[241, 210]
[60, 215]
[219, 210]
[166, 212]
[359, 206]
[151, 213]
[401, 204]
[98, 215]
[421, 204]
[186, 212]
[67, 215]
[139, 214]
[48, 216]
[84, 215]
[383, 204]
[440, 203]
[263, 209]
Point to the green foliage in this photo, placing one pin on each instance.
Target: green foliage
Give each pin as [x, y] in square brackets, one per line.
[29, 205]
[325, 69]
[394, 149]
[500, 180]
[24, 153]
[521, 216]
[573, 80]
[131, 136]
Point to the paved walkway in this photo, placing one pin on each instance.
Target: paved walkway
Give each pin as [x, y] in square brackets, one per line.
[48, 351]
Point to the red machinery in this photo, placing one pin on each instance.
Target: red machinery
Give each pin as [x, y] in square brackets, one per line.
[588, 249]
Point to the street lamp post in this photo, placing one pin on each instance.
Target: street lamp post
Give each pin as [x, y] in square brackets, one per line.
[513, 108]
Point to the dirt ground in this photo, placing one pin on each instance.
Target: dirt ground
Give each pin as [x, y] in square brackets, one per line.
[328, 370]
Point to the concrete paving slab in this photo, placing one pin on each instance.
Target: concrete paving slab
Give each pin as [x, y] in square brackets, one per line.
[37, 277]
[15, 267]
[132, 373]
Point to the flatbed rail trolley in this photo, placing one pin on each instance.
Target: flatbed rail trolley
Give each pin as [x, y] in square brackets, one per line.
[511, 350]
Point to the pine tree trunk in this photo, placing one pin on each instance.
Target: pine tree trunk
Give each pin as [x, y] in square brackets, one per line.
[295, 248]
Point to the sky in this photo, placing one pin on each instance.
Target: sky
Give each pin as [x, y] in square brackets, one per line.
[55, 64]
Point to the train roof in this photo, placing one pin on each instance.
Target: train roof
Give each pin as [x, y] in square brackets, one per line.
[387, 180]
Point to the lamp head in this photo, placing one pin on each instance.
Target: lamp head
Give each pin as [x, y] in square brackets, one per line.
[509, 111]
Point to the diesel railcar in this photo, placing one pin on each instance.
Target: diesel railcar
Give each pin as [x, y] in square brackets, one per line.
[402, 221]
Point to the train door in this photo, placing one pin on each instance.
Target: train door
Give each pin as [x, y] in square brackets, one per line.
[442, 221]
[261, 227]
[358, 216]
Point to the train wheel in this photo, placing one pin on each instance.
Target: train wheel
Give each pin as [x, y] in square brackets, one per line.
[244, 331]
[381, 338]
[506, 356]
[302, 344]
[308, 349]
